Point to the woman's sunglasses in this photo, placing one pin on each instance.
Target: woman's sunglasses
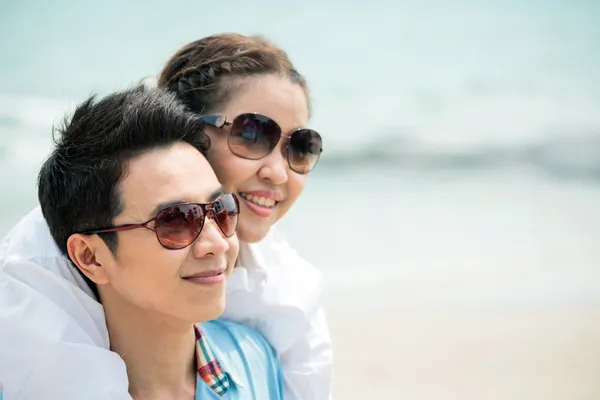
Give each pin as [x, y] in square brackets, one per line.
[178, 226]
[254, 136]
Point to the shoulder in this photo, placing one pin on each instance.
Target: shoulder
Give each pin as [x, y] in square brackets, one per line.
[29, 239]
[29, 247]
[228, 336]
[281, 257]
[301, 282]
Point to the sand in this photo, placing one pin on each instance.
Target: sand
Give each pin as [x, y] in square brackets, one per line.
[516, 353]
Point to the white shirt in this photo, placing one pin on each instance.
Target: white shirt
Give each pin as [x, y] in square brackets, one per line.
[55, 320]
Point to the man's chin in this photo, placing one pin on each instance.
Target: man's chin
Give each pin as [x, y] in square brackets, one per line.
[211, 311]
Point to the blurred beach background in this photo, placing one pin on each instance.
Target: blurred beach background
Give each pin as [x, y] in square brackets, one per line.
[455, 212]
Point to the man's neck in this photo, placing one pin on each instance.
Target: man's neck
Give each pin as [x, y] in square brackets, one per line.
[159, 352]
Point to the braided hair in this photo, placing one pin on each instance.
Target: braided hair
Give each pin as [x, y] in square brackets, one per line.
[205, 73]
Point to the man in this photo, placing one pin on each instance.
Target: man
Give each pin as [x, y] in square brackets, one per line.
[130, 198]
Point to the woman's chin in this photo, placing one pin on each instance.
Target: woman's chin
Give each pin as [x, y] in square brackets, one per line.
[253, 231]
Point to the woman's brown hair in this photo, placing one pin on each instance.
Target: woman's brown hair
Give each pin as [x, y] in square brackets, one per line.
[203, 73]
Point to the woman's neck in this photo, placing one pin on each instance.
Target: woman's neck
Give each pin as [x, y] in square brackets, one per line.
[159, 353]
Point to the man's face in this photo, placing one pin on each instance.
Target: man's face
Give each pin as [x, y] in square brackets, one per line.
[143, 272]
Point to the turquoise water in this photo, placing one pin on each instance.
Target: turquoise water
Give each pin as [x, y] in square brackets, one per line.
[462, 139]
[440, 84]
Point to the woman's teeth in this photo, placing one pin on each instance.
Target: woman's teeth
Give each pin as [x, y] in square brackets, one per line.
[258, 200]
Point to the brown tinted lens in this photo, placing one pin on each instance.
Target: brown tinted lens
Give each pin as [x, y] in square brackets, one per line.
[304, 150]
[226, 211]
[253, 136]
[178, 226]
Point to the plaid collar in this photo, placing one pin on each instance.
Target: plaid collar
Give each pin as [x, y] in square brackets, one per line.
[209, 368]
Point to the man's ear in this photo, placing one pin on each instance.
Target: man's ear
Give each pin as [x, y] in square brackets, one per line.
[89, 254]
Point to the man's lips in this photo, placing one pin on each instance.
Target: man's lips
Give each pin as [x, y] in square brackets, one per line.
[206, 277]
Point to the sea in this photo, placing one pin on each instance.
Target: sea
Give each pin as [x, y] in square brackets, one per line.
[461, 162]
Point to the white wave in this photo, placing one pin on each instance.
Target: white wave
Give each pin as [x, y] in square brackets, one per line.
[31, 111]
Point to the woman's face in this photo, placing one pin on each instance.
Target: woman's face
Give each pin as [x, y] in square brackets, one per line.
[267, 188]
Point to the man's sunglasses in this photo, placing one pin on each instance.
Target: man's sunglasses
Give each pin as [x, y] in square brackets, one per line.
[178, 226]
[254, 136]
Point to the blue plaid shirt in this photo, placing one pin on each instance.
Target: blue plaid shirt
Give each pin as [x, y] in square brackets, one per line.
[235, 362]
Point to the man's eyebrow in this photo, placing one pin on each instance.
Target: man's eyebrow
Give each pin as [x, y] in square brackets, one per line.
[214, 195]
[164, 205]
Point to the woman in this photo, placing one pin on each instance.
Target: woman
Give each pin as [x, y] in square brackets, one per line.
[257, 108]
